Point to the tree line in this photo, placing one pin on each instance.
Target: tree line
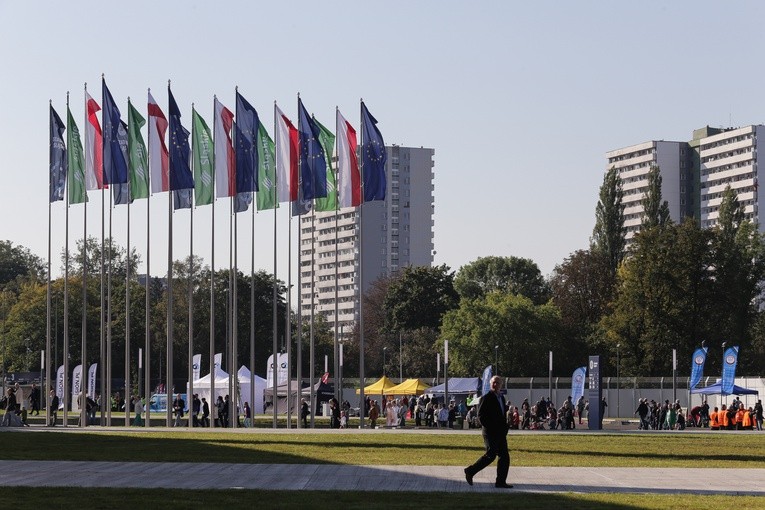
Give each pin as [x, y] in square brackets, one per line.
[672, 287]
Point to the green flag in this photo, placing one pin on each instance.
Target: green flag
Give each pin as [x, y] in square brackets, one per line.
[138, 164]
[266, 194]
[327, 141]
[204, 160]
[76, 161]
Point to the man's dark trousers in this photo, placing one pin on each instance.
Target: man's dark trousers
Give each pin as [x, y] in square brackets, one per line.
[496, 446]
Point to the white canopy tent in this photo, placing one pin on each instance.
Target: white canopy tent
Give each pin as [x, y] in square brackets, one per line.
[245, 382]
[202, 386]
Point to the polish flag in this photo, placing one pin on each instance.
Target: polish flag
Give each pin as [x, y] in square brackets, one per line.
[159, 163]
[349, 178]
[225, 158]
[286, 157]
[94, 142]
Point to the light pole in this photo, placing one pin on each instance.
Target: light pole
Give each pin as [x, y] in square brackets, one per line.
[400, 358]
[618, 401]
[496, 359]
[384, 351]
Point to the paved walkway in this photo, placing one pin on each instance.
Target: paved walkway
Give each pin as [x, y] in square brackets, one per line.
[377, 478]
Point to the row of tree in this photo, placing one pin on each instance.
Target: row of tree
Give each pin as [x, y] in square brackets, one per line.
[673, 287]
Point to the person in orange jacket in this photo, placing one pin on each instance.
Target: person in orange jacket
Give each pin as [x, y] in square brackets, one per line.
[722, 418]
[714, 424]
[747, 421]
[740, 418]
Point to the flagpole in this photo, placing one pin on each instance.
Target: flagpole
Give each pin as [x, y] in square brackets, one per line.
[362, 401]
[169, 333]
[83, 348]
[232, 411]
[212, 279]
[109, 315]
[147, 305]
[67, 397]
[190, 394]
[84, 284]
[298, 354]
[312, 390]
[48, 301]
[287, 326]
[252, 316]
[274, 326]
[338, 381]
[127, 311]
[102, 340]
[230, 316]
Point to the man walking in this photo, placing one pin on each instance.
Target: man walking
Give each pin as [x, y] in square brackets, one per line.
[491, 413]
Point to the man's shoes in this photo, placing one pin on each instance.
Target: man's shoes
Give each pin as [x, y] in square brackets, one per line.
[503, 485]
[468, 477]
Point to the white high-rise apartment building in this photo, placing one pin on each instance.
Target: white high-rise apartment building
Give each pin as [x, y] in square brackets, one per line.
[729, 158]
[397, 232]
[633, 164]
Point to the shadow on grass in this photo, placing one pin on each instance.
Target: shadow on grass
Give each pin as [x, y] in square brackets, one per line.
[700, 458]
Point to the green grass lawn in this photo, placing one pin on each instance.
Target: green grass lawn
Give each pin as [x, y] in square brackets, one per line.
[132, 499]
[718, 450]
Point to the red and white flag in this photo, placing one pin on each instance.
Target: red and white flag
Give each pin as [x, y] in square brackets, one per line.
[159, 163]
[286, 157]
[94, 141]
[349, 178]
[225, 159]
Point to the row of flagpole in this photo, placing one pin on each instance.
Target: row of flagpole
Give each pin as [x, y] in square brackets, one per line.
[114, 144]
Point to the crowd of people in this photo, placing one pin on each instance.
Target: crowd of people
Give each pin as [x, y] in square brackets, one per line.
[670, 416]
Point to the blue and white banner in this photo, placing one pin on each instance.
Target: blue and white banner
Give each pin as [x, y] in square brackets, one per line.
[486, 380]
[92, 380]
[697, 365]
[730, 360]
[217, 361]
[577, 383]
[60, 386]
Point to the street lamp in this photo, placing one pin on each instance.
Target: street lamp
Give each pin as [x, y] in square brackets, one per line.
[400, 358]
[618, 402]
[496, 359]
[384, 350]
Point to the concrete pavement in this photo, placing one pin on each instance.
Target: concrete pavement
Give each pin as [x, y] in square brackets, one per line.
[377, 478]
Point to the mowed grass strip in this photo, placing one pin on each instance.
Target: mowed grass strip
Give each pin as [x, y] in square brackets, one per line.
[717, 450]
[131, 499]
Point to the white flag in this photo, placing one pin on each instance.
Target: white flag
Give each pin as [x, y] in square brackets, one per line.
[60, 386]
[196, 363]
[92, 380]
[218, 359]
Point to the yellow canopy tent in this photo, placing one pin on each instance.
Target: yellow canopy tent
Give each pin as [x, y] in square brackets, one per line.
[408, 387]
[380, 387]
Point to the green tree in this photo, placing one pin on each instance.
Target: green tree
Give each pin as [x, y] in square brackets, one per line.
[663, 300]
[505, 274]
[739, 267]
[523, 331]
[18, 264]
[655, 211]
[608, 236]
[419, 298]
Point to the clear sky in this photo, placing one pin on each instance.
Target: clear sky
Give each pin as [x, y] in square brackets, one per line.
[520, 100]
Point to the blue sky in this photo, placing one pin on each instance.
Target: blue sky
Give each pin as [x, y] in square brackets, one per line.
[520, 100]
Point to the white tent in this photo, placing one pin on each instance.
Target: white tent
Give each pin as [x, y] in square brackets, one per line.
[202, 386]
[245, 382]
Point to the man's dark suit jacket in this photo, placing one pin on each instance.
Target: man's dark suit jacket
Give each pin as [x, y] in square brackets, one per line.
[490, 414]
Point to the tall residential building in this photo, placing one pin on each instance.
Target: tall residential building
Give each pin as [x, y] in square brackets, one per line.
[633, 164]
[396, 232]
[694, 174]
[729, 157]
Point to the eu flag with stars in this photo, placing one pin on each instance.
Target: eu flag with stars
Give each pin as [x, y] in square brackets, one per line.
[180, 151]
[245, 134]
[313, 165]
[115, 166]
[373, 157]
